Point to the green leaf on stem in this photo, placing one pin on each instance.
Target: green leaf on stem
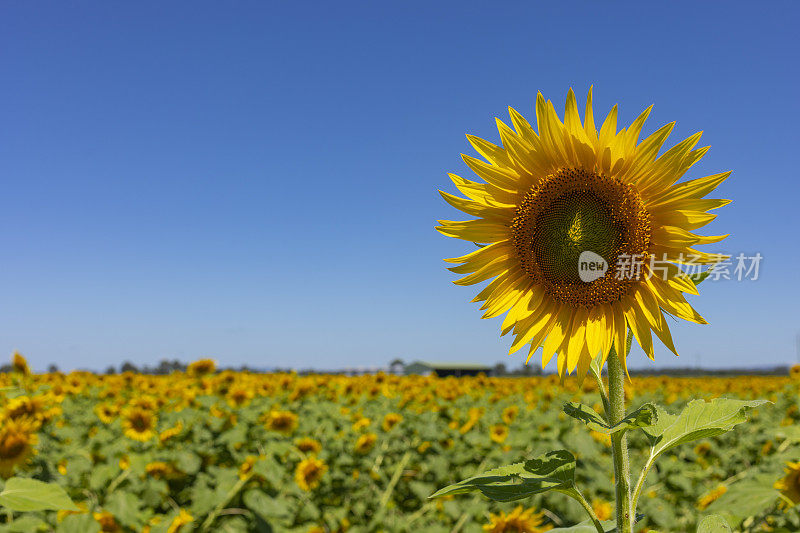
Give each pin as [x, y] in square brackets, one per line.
[698, 420]
[644, 416]
[23, 494]
[551, 471]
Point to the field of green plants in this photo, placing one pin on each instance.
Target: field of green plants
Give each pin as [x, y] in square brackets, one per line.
[236, 452]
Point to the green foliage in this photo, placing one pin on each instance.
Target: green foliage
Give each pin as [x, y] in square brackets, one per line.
[21, 494]
[698, 420]
[644, 416]
[714, 524]
[551, 471]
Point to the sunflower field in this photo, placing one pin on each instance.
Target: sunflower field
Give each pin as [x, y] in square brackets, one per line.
[230, 451]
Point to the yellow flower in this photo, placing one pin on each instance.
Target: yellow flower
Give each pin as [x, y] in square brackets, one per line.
[702, 449]
[517, 521]
[106, 412]
[391, 420]
[602, 509]
[510, 414]
[583, 232]
[124, 463]
[282, 421]
[309, 473]
[63, 513]
[161, 470]
[602, 438]
[365, 443]
[139, 424]
[201, 367]
[361, 423]
[499, 433]
[108, 523]
[240, 396]
[794, 371]
[183, 519]
[171, 432]
[790, 484]
[20, 364]
[711, 496]
[308, 445]
[246, 468]
[17, 439]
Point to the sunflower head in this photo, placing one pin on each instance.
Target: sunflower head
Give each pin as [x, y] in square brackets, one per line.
[391, 420]
[139, 424]
[517, 521]
[308, 445]
[282, 421]
[309, 473]
[17, 439]
[20, 364]
[789, 485]
[107, 522]
[498, 433]
[602, 508]
[365, 443]
[582, 233]
[201, 367]
[183, 518]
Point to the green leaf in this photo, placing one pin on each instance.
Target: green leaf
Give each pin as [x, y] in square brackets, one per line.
[698, 420]
[22, 494]
[586, 527]
[551, 471]
[714, 524]
[644, 416]
[749, 497]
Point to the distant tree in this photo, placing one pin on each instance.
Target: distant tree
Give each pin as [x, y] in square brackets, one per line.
[500, 369]
[127, 366]
[53, 368]
[110, 370]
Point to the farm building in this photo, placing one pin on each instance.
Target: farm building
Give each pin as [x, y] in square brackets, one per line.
[442, 369]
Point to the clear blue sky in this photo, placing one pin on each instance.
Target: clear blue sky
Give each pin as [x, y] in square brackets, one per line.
[256, 182]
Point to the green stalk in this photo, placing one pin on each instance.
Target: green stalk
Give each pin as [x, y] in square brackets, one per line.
[619, 443]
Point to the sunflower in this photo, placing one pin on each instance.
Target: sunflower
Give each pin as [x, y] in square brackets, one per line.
[20, 364]
[365, 443]
[139, 424]
[602, 508]
[282, 421]
[183, 518]
[31, 407]
[498, 433]
[308, 445]
[391, 420]
[309, 473]
[517, 521]
[107, 522]
[790, 484]
[583, 232]
[170, 432]
[106, 412]
[201, 367]
[711, 496]
[17, 438]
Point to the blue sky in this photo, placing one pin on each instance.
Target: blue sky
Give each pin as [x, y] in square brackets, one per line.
[256, 182]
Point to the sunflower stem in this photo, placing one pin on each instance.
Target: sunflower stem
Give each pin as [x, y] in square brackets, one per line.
[619, 443]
